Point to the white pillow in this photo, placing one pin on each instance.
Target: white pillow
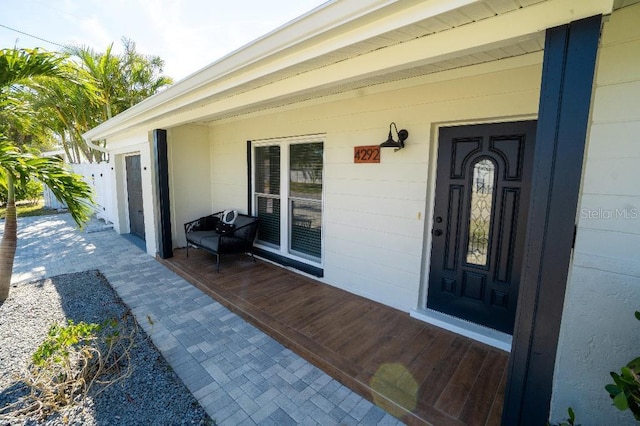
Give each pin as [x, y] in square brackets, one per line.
[229, 216]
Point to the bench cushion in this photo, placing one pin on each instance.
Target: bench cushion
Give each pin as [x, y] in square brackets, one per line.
[211, 243]
[197, 236]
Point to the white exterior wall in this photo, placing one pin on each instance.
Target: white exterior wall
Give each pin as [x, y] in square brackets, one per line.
[189, 177]
[599, 333]
[375, 214]
[119, 148]
[100, 177]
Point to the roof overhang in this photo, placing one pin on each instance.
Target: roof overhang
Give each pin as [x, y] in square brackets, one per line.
[346, 44]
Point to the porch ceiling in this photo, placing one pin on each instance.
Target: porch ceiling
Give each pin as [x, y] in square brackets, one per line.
[455, 18]
[532, 45]
[469, 13]
[344, 46]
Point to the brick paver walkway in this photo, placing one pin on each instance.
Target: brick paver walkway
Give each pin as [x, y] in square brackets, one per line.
[240, 375]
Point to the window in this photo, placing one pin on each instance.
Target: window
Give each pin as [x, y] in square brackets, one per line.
[305, 199]
[267, 194]
[287, 192]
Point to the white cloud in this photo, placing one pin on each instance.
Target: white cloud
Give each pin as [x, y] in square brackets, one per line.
[94, 33]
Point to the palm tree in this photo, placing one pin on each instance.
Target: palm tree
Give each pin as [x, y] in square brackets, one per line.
[18, 69]
[119, 81]
[69, 110]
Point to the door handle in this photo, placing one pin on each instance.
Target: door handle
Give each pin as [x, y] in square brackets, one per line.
[437, 232]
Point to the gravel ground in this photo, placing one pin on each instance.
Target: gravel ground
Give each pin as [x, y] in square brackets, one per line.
[153, 394]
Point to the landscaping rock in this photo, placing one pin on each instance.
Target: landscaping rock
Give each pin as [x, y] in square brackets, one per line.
[153, 394]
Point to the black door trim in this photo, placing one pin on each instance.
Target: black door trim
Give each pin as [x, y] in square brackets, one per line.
[565, 97]
[249, 178]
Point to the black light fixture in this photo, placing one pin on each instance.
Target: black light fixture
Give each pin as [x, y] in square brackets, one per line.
[390, 143]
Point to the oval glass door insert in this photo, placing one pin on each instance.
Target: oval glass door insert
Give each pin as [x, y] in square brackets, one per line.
[482, 188]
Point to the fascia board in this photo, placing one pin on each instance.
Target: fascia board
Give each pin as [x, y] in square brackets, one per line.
[209, 112]
[492, 32]
[481, 35]
[314, 28]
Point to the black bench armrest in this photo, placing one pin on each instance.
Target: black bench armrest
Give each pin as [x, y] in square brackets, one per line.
[205, 223]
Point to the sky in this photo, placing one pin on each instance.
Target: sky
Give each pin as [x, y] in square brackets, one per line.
[186, 34]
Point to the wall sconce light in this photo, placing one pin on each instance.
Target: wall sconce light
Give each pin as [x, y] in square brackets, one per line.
[390, 143]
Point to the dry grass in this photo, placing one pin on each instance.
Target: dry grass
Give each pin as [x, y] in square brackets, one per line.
[25, 209]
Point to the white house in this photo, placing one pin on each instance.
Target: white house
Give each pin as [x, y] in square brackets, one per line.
[511, 215]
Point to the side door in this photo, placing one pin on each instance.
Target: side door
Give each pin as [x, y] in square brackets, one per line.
[134, 194]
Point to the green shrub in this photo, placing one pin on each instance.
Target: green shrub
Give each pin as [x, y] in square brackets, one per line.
[571, 421]
[71, 362]
[625, 389]
[31, 191]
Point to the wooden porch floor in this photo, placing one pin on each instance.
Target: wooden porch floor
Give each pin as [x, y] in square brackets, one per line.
[416, 371]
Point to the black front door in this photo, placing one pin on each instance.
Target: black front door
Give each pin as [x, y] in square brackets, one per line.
[134, 192]
[480, 215]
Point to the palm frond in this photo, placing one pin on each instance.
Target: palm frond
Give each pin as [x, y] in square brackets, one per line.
[53, 172]
[17, 66]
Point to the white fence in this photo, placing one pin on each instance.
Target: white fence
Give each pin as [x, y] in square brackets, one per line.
[98, 175]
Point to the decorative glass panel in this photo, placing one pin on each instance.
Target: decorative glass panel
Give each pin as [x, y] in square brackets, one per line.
[482, 194]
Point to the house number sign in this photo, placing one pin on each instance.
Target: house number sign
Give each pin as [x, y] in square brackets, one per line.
[366, 154]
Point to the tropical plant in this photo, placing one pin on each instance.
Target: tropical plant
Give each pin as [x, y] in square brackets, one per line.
[31, 192]
[60, 111]
[571, 420]
[69, 110]
[20, 68]
[25, 129]
[67, 186]
[119, 82]
[20, 65]
[625, 389]
[74, 361]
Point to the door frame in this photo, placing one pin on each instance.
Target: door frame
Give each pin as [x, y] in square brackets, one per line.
[566, 92]
[497, 128]
[460, 326]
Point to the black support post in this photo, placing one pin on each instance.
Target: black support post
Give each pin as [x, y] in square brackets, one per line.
[565, 99]
[165, 246]
[249, 183]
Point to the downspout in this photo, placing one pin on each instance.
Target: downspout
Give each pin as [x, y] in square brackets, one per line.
[96, 147]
